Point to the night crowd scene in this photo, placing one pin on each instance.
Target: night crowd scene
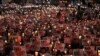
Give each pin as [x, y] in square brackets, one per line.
[50, 28]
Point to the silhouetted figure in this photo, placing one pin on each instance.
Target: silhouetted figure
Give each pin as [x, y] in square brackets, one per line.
[8, 48]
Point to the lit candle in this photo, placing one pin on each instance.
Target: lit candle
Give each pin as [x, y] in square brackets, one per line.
[36, 32]
[65, 51]
[21, 22]
[64, 31]
[23, 34]
[43, 55]
[67, 27]
[50, 31]
[8, 34]
[50, 45]
[99, 52]
[51, 42]
[69, 45]
[36, 53]
[44, 27]
[55, 50]
[20, 43]
[55, 27]
[83, 49]
[88, 41]
[80, 37]
[5, 41]
[33, 33]
[48, 26]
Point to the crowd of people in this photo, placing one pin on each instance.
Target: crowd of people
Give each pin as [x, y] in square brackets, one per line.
[49, 30]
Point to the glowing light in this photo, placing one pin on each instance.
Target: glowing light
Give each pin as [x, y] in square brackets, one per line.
[88, 41]
[5, 41]
[69, 45]
[36, 53]
[8, 34]
[80, 37]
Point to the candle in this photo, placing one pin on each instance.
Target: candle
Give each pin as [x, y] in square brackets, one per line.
[36, 53]
[67, 27]
[69, 45]
[8, 34]
[43, 55]
[21, 22]
[23, 34]
[33, 33]
[64, 31]
[20, 43]
[44, 27]
[65, 51]
[88, 41]
[55, 27]
[52, 43]
[50, 46]
[80, 37]
[5, 41]
[50, 31]
[36, 32]
[48, 26]
[99, 52]
[83, 49]
[55, 50]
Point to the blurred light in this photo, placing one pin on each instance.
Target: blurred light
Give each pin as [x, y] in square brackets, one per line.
[88, 41]
[36, 53]
[52, 43]
[20, 43]
[78, 4]
[0, 36]
[8, 34]
[69, 5]
[55, 27]
[36, 32]
[23, 34]
[65, 51]
[67, 27]
[5, 41]
[80, 37]
[83, 49]
[50, 31]
[58, 41]
[21, 22]
[69, 45]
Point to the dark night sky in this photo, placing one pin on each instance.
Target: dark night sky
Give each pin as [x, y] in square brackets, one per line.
[0, 1]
